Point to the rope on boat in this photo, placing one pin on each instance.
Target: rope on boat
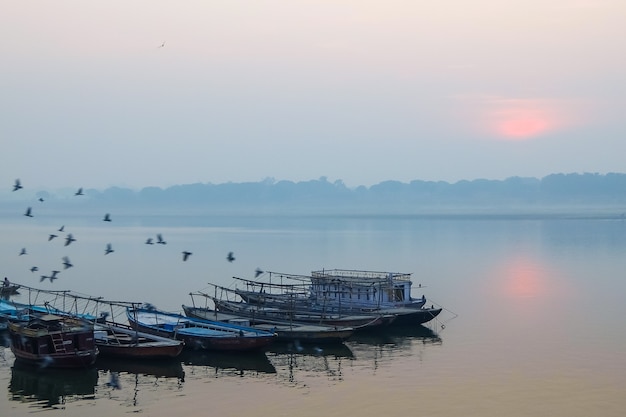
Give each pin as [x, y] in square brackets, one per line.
[442, 323]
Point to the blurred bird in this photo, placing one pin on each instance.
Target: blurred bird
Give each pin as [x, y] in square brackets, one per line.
[109, 249]
[186, 255]
[54, 275]
[160, 239]
[230, 257]
[34, 268]
[28, 212]
[51, 237]
[258, 272]
[41, 199]
[79, 192]
[66, 262]
[17, 185]
[69, 239]
[149, 241]
[107, 218]
[23, 251]
[162, 45]
[61, 228]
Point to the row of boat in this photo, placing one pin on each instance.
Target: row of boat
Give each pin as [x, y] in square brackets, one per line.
[63, 329]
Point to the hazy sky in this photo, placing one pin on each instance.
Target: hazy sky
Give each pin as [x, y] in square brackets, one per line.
[357, 90]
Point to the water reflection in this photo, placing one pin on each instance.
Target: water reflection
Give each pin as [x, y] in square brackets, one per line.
[298, 362]
[162, 368]
[401, 337]
[225, 363]
[51, 388]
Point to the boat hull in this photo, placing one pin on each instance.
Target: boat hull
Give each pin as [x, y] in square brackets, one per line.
[127, 343]
[201, 334]
[286, 332]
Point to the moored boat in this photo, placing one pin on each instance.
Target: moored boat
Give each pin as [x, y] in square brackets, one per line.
[199, 334]
[285, 331]
[357, 322]
[124, 341]
[49, 340]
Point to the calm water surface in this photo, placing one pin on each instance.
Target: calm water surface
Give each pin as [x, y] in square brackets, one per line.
[533, 319]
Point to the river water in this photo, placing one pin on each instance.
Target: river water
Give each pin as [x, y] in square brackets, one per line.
[532, 321]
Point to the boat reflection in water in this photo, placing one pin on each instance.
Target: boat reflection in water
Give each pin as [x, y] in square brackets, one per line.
[49, 387]
[160, 368]
[300, 362]
[399, 336]
[227, 363]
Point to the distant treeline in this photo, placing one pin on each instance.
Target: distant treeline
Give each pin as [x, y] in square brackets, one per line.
[556, 189]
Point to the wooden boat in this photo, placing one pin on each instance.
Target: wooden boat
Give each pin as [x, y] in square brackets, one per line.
[252, 311]
[6, 290]
[285, 331]
[199, 334]
[336, 290]
[124, 341]
[342, 291]
[49, 340]
[111, 337]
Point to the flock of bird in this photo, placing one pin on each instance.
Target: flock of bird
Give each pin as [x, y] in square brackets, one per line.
[69, 239]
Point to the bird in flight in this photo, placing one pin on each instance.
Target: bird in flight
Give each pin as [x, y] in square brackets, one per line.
[52, 236]
[162, 45]
[109, 249]
[107, 218]
[33, 269]
[69, 239]
[41, 199]
[23, 251]
[79, 192]
[186, 255]
[160, 239]
[149, 241]
[230, 257]
[61, 228]
[51, 277]
[17, 185]
[66, 262]
[258, 272]
[28, 212]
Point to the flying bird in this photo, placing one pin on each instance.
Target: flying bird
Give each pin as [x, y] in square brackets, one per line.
[162, 45]
[69, 239]
[51, 277]
[160, 239]
[23, 251]
[258, 272]
[17, 185]
[28, 212]
[79, 192]
[34, 268]
[109, 249]
[230, 257]
[41, 199]
[186, 255]
[107, 218]
[66, 262]
[52, 236]
[149, 241]
[61, 228]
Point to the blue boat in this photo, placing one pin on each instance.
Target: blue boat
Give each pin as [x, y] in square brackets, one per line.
[198, 334]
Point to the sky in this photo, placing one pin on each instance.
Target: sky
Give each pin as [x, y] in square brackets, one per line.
[157, 93]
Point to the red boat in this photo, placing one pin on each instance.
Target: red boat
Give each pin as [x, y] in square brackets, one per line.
[49, 340]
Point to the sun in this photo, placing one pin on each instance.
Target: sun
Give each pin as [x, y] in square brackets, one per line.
[521, 119]
[518, 119]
